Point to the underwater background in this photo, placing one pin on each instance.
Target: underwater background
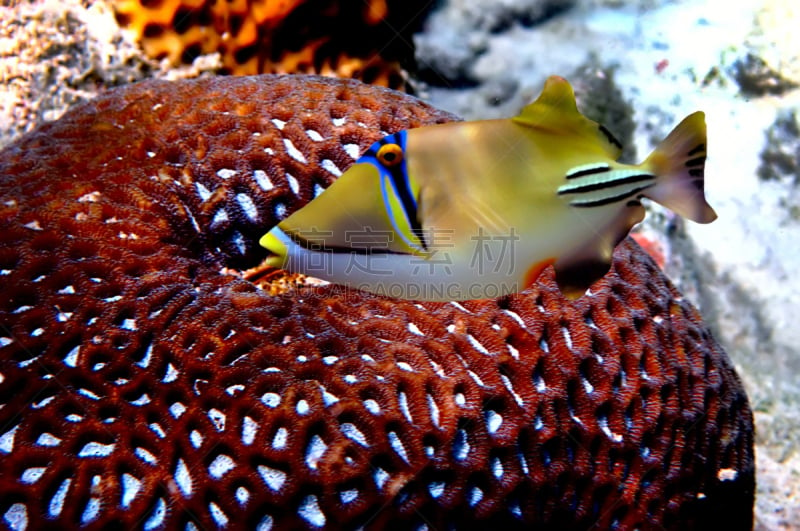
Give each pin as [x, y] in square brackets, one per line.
[638, 67]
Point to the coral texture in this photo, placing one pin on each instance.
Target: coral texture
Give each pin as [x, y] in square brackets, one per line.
[141, 385]
[368, 40]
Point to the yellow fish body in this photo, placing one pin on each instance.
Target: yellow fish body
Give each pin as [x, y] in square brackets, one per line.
[470, 210]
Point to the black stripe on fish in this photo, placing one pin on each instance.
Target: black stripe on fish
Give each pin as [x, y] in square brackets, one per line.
[611, 138]
[696, 172]
[600, 168]
[602, 185]
[698, 161]
[407, 200]
[696, 150]
[611, 199]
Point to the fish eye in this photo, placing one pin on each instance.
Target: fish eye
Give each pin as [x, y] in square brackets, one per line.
[390, 154]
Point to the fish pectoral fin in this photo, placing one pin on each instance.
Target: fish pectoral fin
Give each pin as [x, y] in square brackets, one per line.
[575, 277]
[556, 110]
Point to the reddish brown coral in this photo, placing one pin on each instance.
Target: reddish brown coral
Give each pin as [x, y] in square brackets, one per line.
[368, 40]
[141, 386]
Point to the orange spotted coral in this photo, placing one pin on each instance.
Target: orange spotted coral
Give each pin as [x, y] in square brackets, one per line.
[142, 385]
[369, 40]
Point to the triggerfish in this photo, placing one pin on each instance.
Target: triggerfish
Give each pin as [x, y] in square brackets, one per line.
[471, 210]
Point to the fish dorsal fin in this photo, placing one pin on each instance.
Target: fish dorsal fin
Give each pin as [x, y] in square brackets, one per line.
[555, 111]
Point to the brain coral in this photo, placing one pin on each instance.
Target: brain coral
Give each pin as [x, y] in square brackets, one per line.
[369, 40]
[141, 385]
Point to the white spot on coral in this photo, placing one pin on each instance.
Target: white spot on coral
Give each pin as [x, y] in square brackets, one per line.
[91, 197]
[48, 439]
[397, 445]
[511, 390]
[225, 173]
[475, 496]
[338, 122]
[281, 436]
[43, 402]
[328, 398]
[96, 449]
[436, 488]
[476, 378]
[493, 421]
[543, 345]
[202, 191]
[405, 366]
[602, 421]
[460, 399]
[182, 478]
[37, 332]
[293, 183]
[278, 123]
[497, 468]
[5, 341]
[249, 428]
[727, 474]
[403, 399]
[293, 152]
[272, 477]
[567, 336]
[309, 510]
[351, 432]
[414, 329]
[314, 135]
[216, 513]
[172, 374]
[130, 489]
[587, 385]
[248, 206]
[217, 419]
[234, 389]
[71, 360]
[57, 501]
[461, 445]
[372, 406]
[148, 355]
[32, 475]
[477, 345]
[330, 166]
[22, 309]
[157, 429]
[141, 401]
[353, 150]
[17, 517]
[516, 317]
[381, 477]
[434, 410]
[330, 360]
[316, 448]
[196, 438]
[157, 517]
[150, 154]
[220, 217]
[280, 211]
[242, 495]
[318, 189]
[220, 466]
[262, 180]
[68, 290]
[348, 496]
[302, 407]
[145, 456]
[350, 378]
[238, 241]
[265, 524]
[91, 511]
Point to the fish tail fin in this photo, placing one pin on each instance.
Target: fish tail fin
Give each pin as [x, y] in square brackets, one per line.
[679, 162]
[277, 243]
